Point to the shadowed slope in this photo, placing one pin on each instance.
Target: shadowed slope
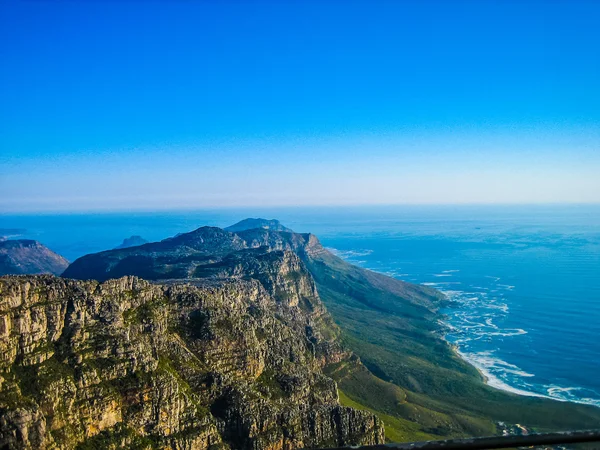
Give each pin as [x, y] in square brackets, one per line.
[23, 256]
[174, 257]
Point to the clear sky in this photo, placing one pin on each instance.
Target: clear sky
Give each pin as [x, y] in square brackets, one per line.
[153, 105]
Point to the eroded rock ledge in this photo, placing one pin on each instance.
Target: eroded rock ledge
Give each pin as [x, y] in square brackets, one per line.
[127, 363]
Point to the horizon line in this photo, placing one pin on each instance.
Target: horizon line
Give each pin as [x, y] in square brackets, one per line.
[144, 210]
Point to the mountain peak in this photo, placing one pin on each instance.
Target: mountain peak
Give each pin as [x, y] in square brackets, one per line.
[250, 224]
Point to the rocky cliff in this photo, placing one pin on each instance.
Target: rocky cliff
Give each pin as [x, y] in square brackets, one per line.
[24, 256]
[219, 363]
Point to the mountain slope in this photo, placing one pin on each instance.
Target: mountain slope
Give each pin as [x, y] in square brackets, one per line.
[174, 257]
[406, 371]
[23, 256]
[219, 364]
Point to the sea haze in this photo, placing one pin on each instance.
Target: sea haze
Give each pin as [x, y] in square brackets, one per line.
[523, 280]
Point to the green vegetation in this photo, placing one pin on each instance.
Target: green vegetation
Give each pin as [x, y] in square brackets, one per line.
[34, 380]
[269, 385]
[294, 276]
[118, 437]
[396, 429]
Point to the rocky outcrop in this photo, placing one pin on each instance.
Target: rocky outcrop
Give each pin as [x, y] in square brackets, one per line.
[286, 278]
[226, 362]
[24, 256]
[305, 244]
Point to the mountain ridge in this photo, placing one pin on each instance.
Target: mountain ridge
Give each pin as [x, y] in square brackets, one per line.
[26, 256]
[379, 338]
[206, 245]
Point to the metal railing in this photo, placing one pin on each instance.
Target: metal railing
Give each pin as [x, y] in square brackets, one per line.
[495, 442]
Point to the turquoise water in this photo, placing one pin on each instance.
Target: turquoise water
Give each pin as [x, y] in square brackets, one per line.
[524, 279]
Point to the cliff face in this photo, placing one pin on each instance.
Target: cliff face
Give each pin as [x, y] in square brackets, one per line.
[219, 363]
[23, 256]
[291, 267]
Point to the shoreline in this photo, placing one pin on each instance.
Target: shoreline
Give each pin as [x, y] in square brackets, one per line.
[493, 381]
[488, 378]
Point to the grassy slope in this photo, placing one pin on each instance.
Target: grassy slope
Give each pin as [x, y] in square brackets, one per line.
[421, 389]
[396, 429]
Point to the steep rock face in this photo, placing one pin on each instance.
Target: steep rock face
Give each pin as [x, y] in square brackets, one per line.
[302, 243]
[281, 273]
[126, 363]
[23, 256]
[285, 277]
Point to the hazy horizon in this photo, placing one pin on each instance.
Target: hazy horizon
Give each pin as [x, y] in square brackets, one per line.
[113, 107]
[275, 211]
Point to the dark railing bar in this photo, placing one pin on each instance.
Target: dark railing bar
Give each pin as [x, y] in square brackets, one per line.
[495, 442]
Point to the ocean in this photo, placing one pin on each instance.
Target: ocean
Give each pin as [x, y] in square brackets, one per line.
[524, 280]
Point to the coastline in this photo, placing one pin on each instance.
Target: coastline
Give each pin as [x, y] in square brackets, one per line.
[491, 380]
[488, 377]
[494, 381]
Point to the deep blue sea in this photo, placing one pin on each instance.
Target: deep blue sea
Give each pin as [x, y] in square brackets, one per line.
[525, 279]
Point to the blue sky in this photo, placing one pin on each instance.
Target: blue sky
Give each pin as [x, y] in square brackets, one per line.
[154, 105]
